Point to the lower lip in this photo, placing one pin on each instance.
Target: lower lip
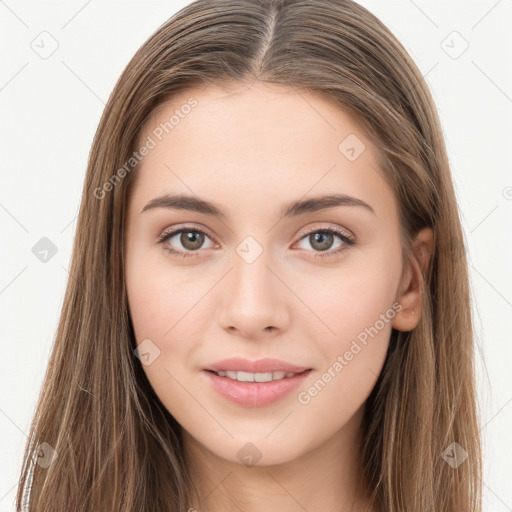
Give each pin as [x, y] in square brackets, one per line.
[254, 394]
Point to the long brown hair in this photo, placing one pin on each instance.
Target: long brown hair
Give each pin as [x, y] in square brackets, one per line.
[116, 446]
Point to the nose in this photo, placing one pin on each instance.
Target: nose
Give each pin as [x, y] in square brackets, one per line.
[254, 300]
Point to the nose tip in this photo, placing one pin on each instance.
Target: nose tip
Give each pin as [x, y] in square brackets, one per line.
[251, 303]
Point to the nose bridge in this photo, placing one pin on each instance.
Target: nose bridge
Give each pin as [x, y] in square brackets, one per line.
[254, 297]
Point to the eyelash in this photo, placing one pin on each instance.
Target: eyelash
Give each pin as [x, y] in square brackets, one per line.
[348, 241]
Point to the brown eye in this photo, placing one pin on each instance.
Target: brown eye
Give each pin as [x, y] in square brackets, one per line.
[192, 240]
[184, 242]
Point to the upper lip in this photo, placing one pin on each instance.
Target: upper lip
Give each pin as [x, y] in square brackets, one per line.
[260, 366]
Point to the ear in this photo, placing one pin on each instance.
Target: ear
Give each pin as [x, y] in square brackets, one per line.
[409, 293]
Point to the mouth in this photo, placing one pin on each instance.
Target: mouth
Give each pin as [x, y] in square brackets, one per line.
[242, 376]
[255, 388]
[245, 368]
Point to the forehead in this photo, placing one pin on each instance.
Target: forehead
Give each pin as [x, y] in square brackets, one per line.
[254, 143]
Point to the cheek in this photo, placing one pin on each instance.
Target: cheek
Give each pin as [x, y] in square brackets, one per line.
[358, 307]
[161, 309]
[158, 295]
[350, 298]
[167, 306]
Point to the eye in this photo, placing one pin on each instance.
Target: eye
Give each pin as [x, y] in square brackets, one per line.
[191, 240]
[322, 239]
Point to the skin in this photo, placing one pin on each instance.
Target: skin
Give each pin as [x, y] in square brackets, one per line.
[252, 149]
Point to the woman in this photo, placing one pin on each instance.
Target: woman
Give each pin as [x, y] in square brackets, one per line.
[273, 308]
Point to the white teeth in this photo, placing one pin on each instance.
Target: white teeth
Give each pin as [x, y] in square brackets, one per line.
[263, 377]
[254, 377]
[245, 377]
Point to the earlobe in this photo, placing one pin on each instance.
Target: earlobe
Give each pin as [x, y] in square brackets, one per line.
[409, 295]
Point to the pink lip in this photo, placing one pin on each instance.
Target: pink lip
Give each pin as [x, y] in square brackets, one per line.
[255, 394]
[260, 366]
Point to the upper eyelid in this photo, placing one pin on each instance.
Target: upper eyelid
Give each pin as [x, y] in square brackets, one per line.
[175, 230]
[314, 229]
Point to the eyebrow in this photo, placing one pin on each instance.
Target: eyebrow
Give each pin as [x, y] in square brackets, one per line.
[313, 204]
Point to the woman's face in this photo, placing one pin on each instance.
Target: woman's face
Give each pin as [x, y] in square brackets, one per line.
[313, 286]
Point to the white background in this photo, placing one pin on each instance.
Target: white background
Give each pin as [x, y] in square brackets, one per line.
[50, 109]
